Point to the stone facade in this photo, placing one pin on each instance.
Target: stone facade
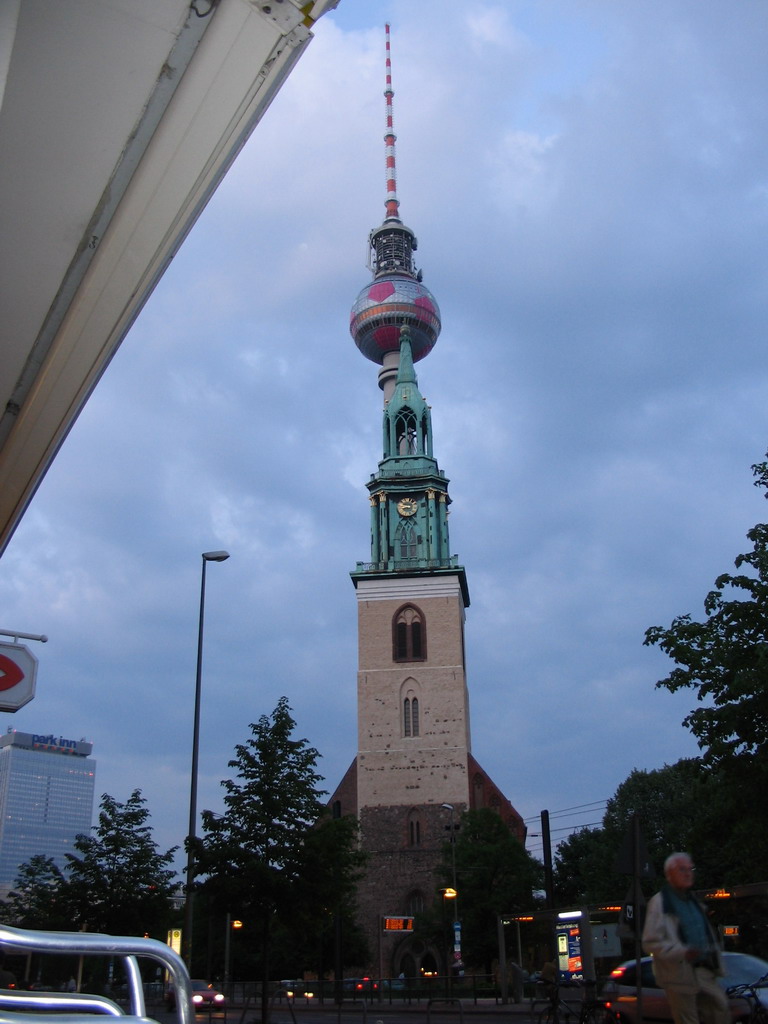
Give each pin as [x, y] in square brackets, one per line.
[426, 763]
[409, 766]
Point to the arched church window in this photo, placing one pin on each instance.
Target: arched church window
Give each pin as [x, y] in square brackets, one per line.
[411, 715]
[409, 635]
[414, 827]
[415, 902]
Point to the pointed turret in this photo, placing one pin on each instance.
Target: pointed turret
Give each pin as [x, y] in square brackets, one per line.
[407, 420]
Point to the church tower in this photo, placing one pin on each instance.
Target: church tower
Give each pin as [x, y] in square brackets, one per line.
[414, 773]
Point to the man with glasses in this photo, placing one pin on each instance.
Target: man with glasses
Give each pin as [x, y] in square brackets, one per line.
[685, 950]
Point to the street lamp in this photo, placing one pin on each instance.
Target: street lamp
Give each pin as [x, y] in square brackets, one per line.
[451, 808]
[451, 894]
[230, 926]
[208, 556]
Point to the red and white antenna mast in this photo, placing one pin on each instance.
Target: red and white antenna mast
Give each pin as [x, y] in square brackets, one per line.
[392, 244]
[391, 202]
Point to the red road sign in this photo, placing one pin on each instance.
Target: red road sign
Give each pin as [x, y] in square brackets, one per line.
[18, 672]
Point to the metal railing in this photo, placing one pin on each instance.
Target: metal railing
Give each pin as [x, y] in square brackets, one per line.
[404, 564]
[24, 941]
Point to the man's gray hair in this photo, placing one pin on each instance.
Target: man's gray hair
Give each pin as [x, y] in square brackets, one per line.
[672, 860]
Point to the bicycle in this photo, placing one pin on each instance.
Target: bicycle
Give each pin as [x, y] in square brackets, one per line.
[589, 1010]
[758, 1012]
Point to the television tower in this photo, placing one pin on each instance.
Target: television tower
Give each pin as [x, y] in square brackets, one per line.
[396, 298]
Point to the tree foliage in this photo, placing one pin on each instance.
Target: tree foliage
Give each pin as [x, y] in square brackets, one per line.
[724, 659]
[274, 858]
[36, 899]
[494, 875]
[120, 883]
[671, 804]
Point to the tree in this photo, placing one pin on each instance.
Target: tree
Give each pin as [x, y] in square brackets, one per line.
[724, 659]
[36, 898]
[494, 875]
[273, 857]
[120, 884]
[672, 804]
[583, 871]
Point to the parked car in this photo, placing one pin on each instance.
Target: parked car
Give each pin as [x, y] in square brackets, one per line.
[740, 969]
[204, 996]
[359, 986]
[392, 984]
[296, 990]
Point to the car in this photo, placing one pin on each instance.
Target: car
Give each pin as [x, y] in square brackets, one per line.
[621, 987]
[204, 996]
[296, 990]
[361, 985]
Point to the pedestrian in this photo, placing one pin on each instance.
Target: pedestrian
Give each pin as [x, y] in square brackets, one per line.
[684, 947]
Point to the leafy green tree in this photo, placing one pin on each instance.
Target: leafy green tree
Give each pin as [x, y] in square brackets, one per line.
[583, 869]
[273, 857]
[494, 875]
[121, 884]
[36, 899]
[724, 659]
[672, 804]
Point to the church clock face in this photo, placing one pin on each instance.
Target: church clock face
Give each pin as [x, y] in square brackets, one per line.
[407, 506]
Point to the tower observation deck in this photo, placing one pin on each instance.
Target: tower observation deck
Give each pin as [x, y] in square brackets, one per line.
[396, 298]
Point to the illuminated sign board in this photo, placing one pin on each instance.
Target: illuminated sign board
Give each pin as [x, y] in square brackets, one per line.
[568, 935]
[397, 924]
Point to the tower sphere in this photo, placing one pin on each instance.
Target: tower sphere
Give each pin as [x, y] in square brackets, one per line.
[389, 302]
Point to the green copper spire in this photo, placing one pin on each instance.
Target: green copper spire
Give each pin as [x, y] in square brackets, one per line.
[409, 494]
[407, 419]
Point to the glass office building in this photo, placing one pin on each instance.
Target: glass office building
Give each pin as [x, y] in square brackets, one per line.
[46, 798]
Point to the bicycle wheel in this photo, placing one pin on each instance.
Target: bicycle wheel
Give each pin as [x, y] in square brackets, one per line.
[599, 1013]
[548, 1016]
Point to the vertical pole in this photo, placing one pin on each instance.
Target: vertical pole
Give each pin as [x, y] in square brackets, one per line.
[636, 897]
[226, 956]
[207, 556]
[192, 829]
[502, 962]
[548, 887]
[338, 961]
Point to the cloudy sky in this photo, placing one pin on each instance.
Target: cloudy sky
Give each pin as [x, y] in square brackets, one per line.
[589, 185]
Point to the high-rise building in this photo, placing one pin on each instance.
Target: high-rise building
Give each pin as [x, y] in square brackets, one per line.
[414, 773]
[46, 798]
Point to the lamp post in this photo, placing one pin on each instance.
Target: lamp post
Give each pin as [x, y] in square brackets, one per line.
[448, 894]
[452, 827]
[452, 894]
[208, 556]
[230, 926]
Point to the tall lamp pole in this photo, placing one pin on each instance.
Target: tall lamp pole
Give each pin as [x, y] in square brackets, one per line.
[452, 827]
[452, 894]
[208, 556]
